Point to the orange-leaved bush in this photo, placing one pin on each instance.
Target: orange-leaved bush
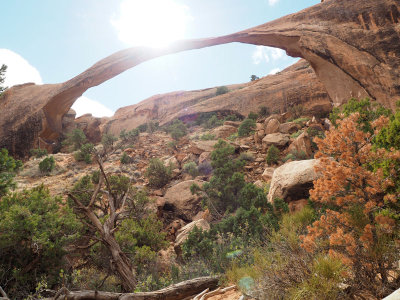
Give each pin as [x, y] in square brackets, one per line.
[358, 224]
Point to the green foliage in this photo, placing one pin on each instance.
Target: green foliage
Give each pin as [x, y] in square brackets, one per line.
[233, 118]
[233, 137]
[368, 111]
[38, 153]
[314, 132]
[8, 168]
[47, 165]
[207, 137]
[130, 136]
[35, 228]
[125, 159]
[300, 121]
[191, 168]
[247, 127]
[297, 134]
[152, 126]
[253, 116]
[272, 155]
[3, 70]
[213, 122]
[246, 156]
[324, 280]
[108, 141]
[389, 136]
[177, 129]
[295, 155]
[75, 139]
[85, 153]
[221, 90]
[142, 127]
[264, 111]
[254, 78]
[142, 238]
[158, 174]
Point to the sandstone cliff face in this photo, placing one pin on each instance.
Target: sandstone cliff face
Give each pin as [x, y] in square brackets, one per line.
[295, 85]
[353, 46]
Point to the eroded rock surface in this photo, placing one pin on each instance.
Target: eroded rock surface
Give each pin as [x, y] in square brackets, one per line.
[352, 45]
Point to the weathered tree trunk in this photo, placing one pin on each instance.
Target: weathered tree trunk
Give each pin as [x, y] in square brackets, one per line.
[177, 291]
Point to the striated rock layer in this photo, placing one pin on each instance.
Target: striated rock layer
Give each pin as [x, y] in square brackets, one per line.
[353, 46]
[295, 85]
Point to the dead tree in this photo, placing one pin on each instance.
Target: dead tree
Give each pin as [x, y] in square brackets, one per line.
[113, 204]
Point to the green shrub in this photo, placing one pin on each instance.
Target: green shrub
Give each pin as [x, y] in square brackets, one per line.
[125, 159]
[207, 137]
[295, 155]
[157, 173]
[142, 127]
[47, 165]
[213, 122]
[272, 155]
[177, 129]
[232, 117]
[38, 153]
[221, 90]
[247, 127]
[296, 134]
[8, 169]
[130, 136]
[246, 156]
[301, 121]
[85, 153]
[191, 169]
[75, 139]
[368, 110]
[35, 230]
[223, 189]
[233, 136]
[264, 111]
[108, 141]
[205, 168]
[253, 116]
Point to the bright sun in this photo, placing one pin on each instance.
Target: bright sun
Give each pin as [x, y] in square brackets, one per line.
[154, 23]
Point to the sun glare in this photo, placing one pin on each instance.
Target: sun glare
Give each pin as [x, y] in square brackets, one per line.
[154, 23]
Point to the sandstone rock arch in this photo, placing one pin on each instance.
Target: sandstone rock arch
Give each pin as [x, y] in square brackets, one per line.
[352, 45]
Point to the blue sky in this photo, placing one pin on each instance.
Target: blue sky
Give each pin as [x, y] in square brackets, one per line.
[62, 38]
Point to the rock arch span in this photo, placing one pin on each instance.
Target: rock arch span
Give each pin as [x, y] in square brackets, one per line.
[352, 45]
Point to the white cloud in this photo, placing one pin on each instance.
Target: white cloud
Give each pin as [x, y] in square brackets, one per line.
[274, 71]
[19, 70]
[84, 105]
[267, 54]
[272, 2]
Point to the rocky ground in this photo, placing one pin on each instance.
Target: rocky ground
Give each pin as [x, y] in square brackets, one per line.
[174, 204]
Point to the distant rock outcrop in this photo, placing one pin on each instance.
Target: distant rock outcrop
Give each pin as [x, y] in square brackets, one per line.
[352, 45]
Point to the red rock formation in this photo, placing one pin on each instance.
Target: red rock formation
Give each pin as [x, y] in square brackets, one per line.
[353, 46]
[295, 85]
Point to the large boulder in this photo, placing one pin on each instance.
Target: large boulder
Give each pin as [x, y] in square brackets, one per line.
[276, 139]
[292, 181]
[224, 131]
[184, 232]
[198, 147]
[272, 126]
[268, 173]
[180, 200]
[90, 126]
[302, 144]
[289, 127]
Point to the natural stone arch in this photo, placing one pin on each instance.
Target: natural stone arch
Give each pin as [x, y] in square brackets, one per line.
[351, 44]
